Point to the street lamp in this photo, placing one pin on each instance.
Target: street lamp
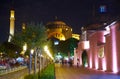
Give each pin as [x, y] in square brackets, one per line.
[48, 52]
[30, 62]
[39, 55]
[32, 51]
[24, 49]
[1, 54]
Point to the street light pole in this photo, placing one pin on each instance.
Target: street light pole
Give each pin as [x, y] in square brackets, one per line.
[35, 62]
[39, 61]
[39, 65]
[30, 60]
[30, 63]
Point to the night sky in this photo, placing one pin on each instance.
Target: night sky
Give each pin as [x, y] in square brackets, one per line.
[75, 13]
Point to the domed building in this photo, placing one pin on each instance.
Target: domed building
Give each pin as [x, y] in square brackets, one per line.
[59, 30]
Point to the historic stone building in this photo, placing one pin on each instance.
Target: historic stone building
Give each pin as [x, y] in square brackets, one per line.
[12, 24]
[59, 30]
[99, 49]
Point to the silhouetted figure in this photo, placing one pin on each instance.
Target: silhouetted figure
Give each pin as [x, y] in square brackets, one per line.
[77, 62]
[70, 62]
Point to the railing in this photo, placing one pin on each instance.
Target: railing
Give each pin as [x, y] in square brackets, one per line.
[6, 71]
[22, 71]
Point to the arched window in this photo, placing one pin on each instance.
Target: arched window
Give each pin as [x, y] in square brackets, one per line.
[101, 52]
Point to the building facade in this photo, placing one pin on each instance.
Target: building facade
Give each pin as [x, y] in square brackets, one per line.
[100, 49]
[59, 29]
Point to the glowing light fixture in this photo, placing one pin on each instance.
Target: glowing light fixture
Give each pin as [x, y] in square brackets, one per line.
[32, 51]
[25, 47]
[56, 42]
[48, 52]
[85, 45]
[102, 8]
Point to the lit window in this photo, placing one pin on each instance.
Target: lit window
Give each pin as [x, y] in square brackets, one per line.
[101, 52]
[102, 8]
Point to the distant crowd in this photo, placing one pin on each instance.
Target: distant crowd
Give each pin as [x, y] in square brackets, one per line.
[8, 63]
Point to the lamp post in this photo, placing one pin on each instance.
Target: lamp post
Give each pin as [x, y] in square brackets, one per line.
[48, 52]
[35, 60]
[24, 49]
[30, 60]
[39, 55]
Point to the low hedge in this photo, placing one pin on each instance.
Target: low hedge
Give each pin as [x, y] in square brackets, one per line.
[47, 73]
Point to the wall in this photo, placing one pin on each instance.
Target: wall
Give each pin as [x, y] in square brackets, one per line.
[110, 61]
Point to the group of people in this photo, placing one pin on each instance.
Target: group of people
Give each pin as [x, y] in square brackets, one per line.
[8, 63]
[70, 62]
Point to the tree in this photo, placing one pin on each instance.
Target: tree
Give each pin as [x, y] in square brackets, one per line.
[68, 46]
[9, 49]
[34, 35]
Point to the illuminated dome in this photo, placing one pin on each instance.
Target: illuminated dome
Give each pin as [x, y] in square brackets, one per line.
[56, 24]
[58, 29]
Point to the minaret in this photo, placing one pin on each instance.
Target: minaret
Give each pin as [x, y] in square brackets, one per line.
[23, 26]
[12, 24]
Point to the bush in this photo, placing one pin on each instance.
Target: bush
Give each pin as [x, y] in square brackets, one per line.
[47, 73]
[29, 76]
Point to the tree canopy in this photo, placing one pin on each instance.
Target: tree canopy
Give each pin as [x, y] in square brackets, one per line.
[9, 49]
[67, 46]
[34, 36]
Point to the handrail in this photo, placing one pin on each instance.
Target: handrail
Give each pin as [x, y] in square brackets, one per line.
[6, 71]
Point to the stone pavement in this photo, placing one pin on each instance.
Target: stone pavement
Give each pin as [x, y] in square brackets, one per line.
[15, 75]
[67, 72]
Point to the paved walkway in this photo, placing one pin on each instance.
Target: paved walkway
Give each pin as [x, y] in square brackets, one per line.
[15, 75]
[67, 72]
